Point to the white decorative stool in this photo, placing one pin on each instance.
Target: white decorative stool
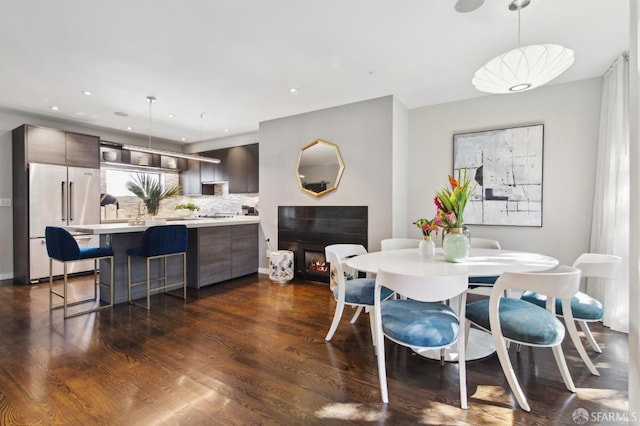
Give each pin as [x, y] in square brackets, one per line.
[281, 266]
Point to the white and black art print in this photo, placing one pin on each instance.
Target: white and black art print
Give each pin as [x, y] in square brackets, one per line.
[506, 165]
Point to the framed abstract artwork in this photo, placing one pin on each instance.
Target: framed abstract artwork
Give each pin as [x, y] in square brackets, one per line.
[506, 165]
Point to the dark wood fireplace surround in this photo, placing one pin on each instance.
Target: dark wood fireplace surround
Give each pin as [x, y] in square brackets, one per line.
[307, 230]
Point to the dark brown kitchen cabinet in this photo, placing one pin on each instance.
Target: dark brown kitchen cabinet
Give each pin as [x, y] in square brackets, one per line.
[51, 146]
[43, 145]
[238, 165]
[190, 178]
[83, 150]
[219, 253]
[252, 168]
[244, 249]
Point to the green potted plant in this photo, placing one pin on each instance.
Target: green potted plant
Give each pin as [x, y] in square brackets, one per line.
[186, 209]
[151, 191]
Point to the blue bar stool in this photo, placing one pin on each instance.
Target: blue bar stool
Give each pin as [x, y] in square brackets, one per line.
[61, 246]
[160, 242]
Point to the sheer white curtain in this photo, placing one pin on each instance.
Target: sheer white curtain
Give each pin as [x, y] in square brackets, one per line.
[610, 227]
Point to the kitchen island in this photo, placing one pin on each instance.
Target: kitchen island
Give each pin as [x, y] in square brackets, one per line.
[219, 250]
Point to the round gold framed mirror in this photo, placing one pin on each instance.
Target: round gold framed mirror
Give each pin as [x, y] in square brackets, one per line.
[320, 168]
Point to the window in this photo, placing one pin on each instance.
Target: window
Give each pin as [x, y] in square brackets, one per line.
[116, 181]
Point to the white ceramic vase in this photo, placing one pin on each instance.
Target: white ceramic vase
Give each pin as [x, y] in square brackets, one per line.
[427, 248]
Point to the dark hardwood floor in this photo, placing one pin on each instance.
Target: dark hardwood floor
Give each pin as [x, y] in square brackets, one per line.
[250, 351]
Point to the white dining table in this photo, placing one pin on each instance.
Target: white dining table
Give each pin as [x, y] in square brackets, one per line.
[479, 263]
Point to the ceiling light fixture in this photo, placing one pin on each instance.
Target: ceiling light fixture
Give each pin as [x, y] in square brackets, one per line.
[54, 108]
[466, 6]
[149, 150]
[524, 68]
[87, 92]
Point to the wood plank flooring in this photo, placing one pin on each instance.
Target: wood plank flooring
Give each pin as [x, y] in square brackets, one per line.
[249, 351]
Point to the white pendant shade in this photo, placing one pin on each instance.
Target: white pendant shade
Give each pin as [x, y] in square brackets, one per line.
[522, 69]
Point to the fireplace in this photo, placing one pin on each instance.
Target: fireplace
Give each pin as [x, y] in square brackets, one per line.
[307, 230]
[315, 263]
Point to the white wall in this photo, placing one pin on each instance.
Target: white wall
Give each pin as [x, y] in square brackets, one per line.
[9, 120]
[570, 114]
[400, 158]
[362, 131]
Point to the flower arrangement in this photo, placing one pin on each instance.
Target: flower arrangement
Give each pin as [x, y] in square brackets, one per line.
[452, 201]
[151, 191]
[427, 226]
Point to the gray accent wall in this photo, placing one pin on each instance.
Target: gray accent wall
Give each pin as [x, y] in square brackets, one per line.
[364, 133]
[570, 114]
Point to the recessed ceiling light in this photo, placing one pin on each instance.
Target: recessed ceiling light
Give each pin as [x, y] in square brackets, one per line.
[87, 92]
[53, 107]
[172, 115]
[226, 130]
[129, 128]
[293, 90]
[121, 114]
[183, 139]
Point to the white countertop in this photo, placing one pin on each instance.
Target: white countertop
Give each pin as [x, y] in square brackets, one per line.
[120, 228]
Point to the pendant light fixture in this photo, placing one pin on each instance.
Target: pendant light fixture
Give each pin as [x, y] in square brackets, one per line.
[149, 150]
[524, 68]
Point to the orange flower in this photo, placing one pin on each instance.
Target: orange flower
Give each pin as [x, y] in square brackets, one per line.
[453, 182]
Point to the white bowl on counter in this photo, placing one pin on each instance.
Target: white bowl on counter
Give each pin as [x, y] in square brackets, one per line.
[184, 212]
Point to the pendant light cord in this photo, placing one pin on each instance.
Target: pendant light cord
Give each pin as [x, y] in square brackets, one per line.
[150, 99]
[150, 123]
[519, 43]
[201, 126]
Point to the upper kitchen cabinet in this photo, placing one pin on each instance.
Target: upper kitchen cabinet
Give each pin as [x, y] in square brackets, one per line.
[51, 146]
[82, 150]
[190, 178]
[210, 172]
[238, 166]
[252, 168]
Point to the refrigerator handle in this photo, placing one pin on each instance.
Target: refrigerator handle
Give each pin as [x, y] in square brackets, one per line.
[63, 204]
[71, 198]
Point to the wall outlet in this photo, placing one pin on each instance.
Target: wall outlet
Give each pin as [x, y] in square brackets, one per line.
[5, 202]
[266, 253]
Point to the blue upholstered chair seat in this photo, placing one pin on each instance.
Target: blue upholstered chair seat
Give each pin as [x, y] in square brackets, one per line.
[360, 291]
[520, 320]
[483, 281]
[161, 241]
[92, 252]
[415, 323]
[63, 247]
[583, 306]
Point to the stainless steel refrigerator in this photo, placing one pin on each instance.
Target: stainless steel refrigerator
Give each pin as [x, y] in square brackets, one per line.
[60, 196]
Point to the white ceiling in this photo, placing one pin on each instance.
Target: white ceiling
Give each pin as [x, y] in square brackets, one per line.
[235, 60]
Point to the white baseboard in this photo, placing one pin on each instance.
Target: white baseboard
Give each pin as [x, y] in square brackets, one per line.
[8, 276]
[263, 271]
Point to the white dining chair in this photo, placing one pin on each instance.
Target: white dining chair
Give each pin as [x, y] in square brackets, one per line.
[518, 321]
[399, 243]
[482, 285]
[356, 292]
[484, 243]
[585, 308]
[420, 320]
